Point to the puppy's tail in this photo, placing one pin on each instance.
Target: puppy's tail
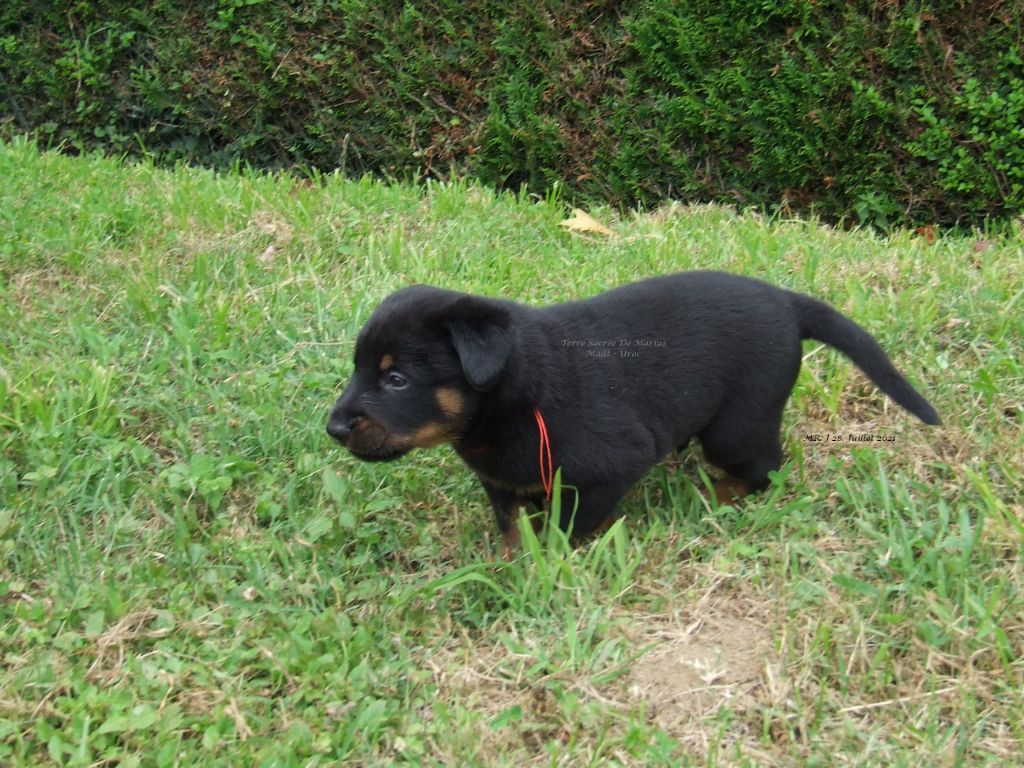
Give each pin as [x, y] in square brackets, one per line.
[820, 321]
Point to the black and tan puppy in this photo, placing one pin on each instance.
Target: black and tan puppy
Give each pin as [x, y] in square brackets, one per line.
[603, 388]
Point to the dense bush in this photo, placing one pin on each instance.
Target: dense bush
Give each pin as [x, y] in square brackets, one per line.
[884, 111]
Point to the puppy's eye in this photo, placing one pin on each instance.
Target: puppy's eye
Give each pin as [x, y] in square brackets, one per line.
[395, 380]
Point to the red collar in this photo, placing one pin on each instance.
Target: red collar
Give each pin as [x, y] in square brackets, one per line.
[547, 475]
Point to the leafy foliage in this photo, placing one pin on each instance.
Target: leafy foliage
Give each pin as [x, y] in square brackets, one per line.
[871, 112]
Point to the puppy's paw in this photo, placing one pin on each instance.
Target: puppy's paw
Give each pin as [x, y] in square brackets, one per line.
[729, 490]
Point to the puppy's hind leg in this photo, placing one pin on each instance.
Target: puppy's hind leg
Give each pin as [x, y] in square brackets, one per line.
[729, 489]
[746, 450]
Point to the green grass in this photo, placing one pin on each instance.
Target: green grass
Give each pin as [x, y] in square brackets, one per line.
[192, 574]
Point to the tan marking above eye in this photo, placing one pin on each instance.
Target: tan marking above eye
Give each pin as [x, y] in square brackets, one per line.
[387, 362]
[450, 401]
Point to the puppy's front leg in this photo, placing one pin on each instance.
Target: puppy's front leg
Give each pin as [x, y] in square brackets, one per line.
[588, 511]
[507, 508]
[591, 510]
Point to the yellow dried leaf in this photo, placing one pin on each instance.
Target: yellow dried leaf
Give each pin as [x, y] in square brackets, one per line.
[582, 221]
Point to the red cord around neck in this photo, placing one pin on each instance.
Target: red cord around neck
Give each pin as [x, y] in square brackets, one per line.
[547, 473]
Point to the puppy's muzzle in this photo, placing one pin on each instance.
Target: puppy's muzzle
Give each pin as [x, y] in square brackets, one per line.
[344, 418]
[341, 426]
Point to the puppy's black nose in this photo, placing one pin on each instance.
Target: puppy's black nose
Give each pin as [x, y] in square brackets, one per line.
[341, 427]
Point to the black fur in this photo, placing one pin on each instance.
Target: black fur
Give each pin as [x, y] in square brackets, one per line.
[621, 379]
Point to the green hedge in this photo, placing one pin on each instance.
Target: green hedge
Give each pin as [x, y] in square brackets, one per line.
[878, 112]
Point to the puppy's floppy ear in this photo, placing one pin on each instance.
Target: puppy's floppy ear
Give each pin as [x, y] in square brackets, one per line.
[482, 337]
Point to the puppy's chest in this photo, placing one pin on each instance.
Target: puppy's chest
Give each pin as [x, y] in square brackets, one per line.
[517, 471]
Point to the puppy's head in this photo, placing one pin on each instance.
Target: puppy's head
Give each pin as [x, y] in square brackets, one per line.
[423, 361]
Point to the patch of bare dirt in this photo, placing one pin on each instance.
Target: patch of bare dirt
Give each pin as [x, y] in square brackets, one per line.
[681, 669]
[717, 655]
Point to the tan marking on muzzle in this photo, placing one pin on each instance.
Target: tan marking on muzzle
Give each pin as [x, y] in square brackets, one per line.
[430, 434]
[370, 435]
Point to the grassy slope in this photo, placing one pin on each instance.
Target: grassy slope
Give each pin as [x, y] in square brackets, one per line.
[192, 574]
